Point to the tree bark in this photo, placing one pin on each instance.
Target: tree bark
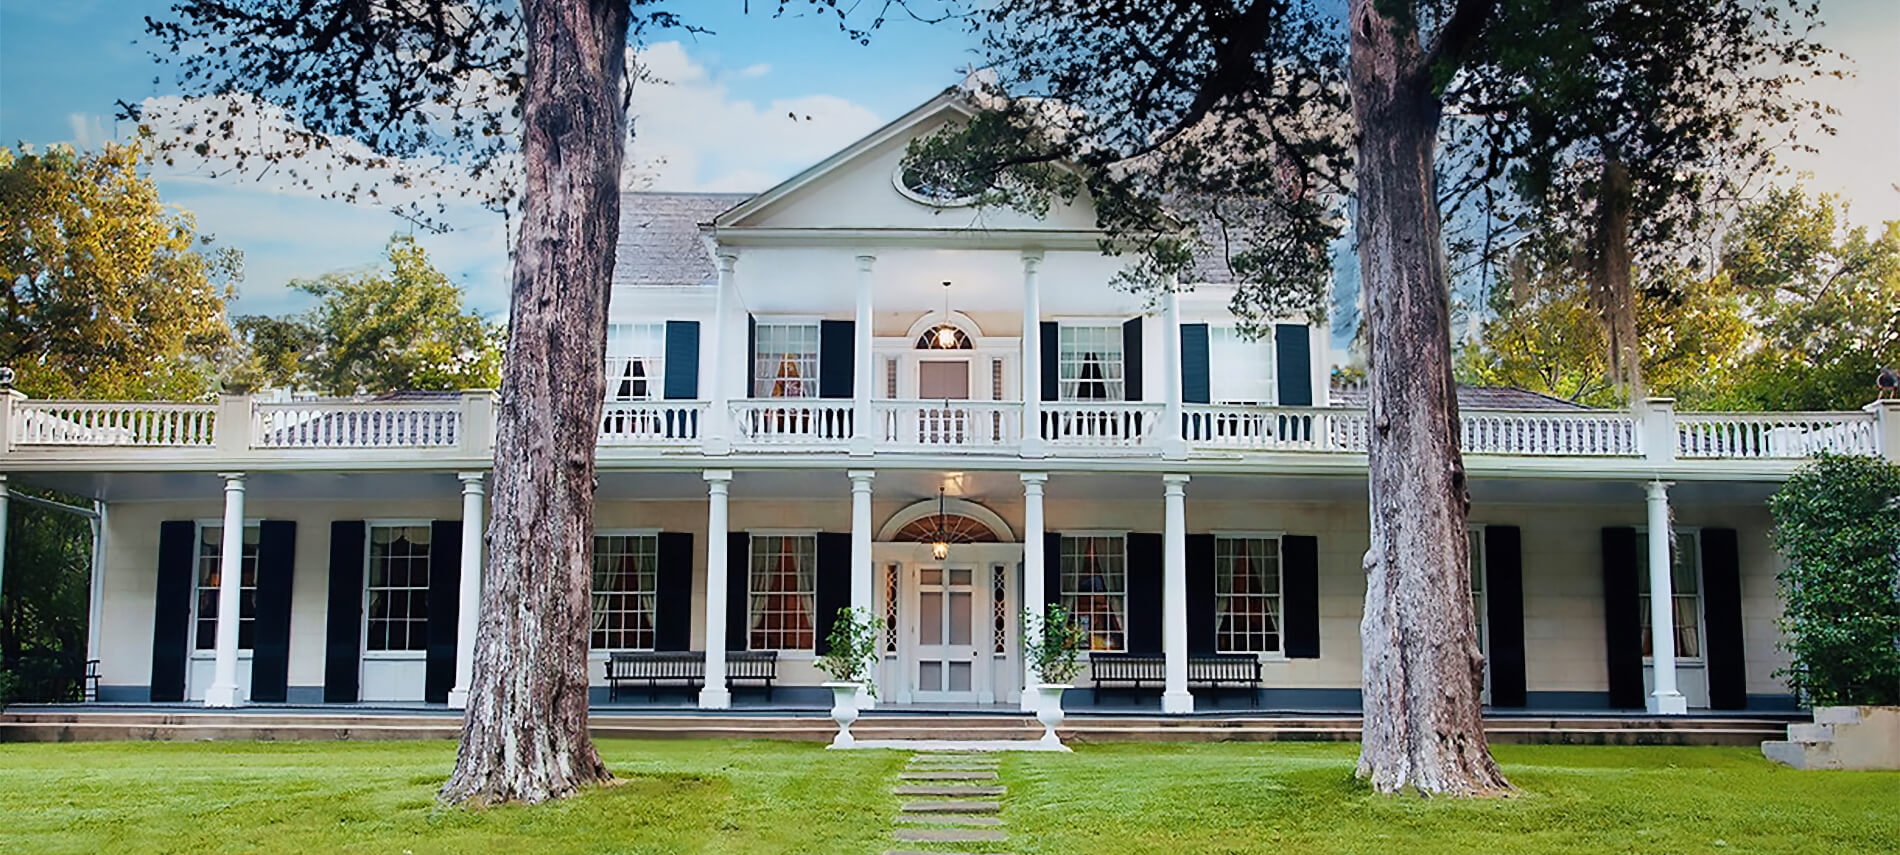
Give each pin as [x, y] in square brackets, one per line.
[1423, 673]
[1611, 274]
[524, 736]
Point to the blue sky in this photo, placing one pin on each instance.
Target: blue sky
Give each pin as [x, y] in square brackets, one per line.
[719, 123]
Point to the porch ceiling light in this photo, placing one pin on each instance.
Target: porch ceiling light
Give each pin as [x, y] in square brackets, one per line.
[940, 541]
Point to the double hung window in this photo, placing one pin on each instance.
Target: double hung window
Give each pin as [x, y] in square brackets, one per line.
[636, 355]
[1247, 594]
[783, 592]
[1089, 363]
[1685, 582]
[210, 569]
[626, 575]
[785, 361]
[1094, 578]
[397, 588]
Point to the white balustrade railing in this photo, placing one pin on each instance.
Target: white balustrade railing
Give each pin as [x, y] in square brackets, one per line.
[1074, 424]
[792, 422]
[1774, 436]
[651, 422]
[355, 424]
[94, 423]
[1560, 433]
[1244, 427]
[947, 425]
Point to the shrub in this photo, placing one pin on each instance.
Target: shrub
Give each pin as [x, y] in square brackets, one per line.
[1838, 523]
[1054, 644]
[853, 643]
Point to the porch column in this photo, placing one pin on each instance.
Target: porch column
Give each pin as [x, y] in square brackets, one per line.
[1033, 594]
[1664, 700]
[861, 597]
[719, 406]
[1175, 699]
[468, 612]
[224, 687]
[714, 695]
[861, 441]
[3, 525]
[96, 595]
[1172, 444]
[1031, 384]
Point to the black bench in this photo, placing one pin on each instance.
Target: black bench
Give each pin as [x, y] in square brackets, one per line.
[89, 684]
[686, 668]
[1136, 671]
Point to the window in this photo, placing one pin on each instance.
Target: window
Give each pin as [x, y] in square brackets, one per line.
[398, 587]
[1247, 594]
[1474, 543]
[1685, 584]
[1095, 588]
[785, 362]
[210, 565]
[1245, 368]
[626, 574]
[1089, 362]
[636, 355]
[784, 591]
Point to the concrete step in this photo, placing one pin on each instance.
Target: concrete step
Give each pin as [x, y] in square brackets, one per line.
[1837, 715]
[947, 776]
[967, 820]
[952, 806]
[950, 835]
[966, 791]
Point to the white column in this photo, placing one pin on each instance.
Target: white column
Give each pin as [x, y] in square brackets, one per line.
[1172, 445]
[1032, 354]
[861, 379]
[224, 687]
[1175, 698]
[1033, 594]
[1664, 700]
[96, 593]
[3, 518]
[714, 695]
[861, 565]
[468, 609]
[718, 439]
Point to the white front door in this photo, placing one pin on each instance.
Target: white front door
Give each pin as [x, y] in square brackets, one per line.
[946, 667]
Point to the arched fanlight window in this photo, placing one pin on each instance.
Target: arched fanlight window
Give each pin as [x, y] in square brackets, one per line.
[953, 528]
[944, 337]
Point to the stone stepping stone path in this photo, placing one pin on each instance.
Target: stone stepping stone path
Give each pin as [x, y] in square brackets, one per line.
[947, 798]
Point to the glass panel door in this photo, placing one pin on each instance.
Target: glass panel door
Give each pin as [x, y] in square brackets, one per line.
[947, 650]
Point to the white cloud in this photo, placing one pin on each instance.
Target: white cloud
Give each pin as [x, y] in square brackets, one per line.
[89, 131]
[691, 133]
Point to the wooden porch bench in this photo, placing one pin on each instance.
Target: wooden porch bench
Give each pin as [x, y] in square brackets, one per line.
[686, 668]
[1136, 671]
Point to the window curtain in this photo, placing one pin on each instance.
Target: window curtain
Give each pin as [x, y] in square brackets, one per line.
[784, 596]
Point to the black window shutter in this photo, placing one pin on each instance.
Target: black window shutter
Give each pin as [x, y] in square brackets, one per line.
[1051, 356]
[1131, 359]
[1052, 569]
[836, 365]
[1144, 592]
[1299, 587]
[270, 646]
[1200, 593]
[343, 639]
[673, 592]
[834, 584]
[751, 359]
[738, 581]
[682, 360]
[1622, 622]
[1294, 356]
[171, 616]
[1196, 385]
[1722, 608]
[1504, 604]
[445, 601]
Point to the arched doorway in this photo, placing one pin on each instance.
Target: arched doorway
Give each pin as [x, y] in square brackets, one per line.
[950, 631]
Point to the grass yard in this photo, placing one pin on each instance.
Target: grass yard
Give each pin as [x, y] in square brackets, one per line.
[765, 797]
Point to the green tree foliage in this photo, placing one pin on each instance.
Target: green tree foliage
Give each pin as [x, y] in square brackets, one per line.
[1825, 296]
[109, 293]
[399, 327]
[1838, 523]
[43, 610]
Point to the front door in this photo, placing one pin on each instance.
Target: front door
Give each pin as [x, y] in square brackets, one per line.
[948, 657]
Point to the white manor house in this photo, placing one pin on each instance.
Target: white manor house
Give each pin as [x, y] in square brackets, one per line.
[811, 387]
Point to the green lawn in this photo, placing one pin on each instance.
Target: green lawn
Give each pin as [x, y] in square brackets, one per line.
[764, 797]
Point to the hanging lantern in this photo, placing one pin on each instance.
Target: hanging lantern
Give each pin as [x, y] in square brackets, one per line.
[940, 541]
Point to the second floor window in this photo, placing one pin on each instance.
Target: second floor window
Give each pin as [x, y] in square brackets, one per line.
[1247, 594]
[785, 361]
[1095, 588]
[636, 356]
[398, 588]
[626, 575]
[783, 593]
[1089, 363]
[210, 568]
[1243, 369]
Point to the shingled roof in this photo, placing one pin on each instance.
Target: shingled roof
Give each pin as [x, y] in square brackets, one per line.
[659, 237]
[1474, 398]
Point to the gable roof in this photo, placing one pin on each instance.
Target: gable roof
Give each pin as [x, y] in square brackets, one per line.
[1473, 398]
[660, 240]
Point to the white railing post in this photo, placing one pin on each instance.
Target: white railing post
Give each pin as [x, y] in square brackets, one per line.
[1886, 428]
[1031, 384]
[476, 434]
[10, 401]
[1658, 416]
[861, 443]
[231, 433]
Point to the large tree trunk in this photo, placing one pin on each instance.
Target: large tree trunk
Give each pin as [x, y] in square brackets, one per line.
[1423, 673]
[525, 734]
[1610, 276]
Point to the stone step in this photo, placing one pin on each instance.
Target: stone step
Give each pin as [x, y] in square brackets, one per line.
[947, 776]
[965, 790]
[1837, 715]
[953, 767]
[951, 806]
[950, 835]
[949, 819]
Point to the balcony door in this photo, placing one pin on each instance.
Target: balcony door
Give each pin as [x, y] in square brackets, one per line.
[946, 381]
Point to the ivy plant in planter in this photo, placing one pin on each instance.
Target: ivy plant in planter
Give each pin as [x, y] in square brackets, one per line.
[852, 656]
[1054, 644]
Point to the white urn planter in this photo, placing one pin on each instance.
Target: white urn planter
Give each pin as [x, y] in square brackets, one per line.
[1049, 711]
[844, 711]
